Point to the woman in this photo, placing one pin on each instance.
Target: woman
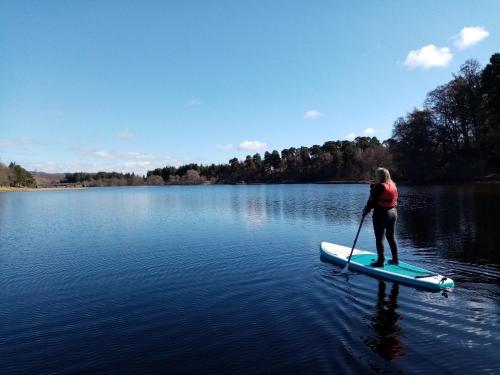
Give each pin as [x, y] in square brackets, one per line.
[383, 199]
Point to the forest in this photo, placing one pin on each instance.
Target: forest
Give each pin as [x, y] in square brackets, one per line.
[453, 137]
[456, 135]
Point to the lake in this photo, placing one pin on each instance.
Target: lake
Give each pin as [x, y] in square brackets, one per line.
[225, 279]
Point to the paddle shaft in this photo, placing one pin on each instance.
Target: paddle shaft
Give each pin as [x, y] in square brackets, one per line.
[355, 240]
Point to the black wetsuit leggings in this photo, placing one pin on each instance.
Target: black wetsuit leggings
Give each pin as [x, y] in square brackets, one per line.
[384, 222]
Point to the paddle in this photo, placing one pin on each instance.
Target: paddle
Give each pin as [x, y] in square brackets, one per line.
[345, 269]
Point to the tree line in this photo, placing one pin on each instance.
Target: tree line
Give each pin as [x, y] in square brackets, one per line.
[334, 160]
[15, 176]
[455, 136]
[103, 179]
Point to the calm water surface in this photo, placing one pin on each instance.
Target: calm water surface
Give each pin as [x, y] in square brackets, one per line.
[229, 278]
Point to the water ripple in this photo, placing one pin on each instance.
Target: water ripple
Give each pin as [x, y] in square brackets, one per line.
[229, 279]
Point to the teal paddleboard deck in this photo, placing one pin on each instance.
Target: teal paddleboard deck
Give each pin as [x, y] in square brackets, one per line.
[403, 272]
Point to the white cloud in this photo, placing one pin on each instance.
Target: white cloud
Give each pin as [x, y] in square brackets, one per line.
[369, 132]
[194, 103]
[106, 160]
[137, 167]
[470, 36]
[313, 114]
[91, 159]
[252, 145]
[428, 57]
[135, 155]
[225, 147]
[137, 163]
[103, 154]
[117, 155]
[350, 136]
[59, 167]
[126, 134]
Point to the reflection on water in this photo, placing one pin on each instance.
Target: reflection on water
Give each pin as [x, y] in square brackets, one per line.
[386, 342]
[259, 203]
[229, 279]
[460, 222]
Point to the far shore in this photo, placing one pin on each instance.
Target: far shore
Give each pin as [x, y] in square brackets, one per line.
[10, 189]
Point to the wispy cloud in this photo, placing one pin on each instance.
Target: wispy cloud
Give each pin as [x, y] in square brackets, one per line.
[135, 164]
[126, 135]
[138, 155]
[428, 57]
[60, 167]
[15, 142]
[369, 132]
[194, 103]
[350, 136]
[252, 146]
[103, 154]
[313, 114]
[470, 36]
[138, 167]
[56, 112]
[93, 160]
[117, 155]
[225, 147]
[20, 144]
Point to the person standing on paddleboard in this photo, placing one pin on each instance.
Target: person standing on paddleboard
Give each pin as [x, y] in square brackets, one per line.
[383, 199]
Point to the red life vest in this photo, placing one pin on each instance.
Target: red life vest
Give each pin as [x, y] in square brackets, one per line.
[389, 198]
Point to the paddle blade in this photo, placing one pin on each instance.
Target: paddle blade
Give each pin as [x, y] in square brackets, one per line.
[345, 269]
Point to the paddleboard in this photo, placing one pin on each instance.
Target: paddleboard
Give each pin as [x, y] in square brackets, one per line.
[403, 272]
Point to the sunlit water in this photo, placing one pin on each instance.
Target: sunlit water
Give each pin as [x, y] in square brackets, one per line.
[229, 278]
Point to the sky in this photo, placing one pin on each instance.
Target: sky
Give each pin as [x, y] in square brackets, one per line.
[131, 86]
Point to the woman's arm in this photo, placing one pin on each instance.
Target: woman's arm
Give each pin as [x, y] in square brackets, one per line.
[375, 192]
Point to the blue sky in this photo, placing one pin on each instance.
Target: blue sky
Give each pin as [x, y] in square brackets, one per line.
[134, 85]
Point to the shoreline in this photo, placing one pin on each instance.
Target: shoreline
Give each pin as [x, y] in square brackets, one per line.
[9, 189]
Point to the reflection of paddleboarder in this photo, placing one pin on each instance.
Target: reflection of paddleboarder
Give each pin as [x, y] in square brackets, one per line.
[384, 322]
[383, 199]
